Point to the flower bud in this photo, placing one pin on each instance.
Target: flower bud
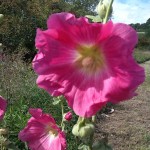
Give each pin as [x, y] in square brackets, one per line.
[75, 130]
[86, 130]
[101, 10]
[68, 116]
[102, 7]
[3, 131]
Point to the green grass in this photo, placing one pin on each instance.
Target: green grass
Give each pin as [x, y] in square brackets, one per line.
[141, 56]
[19, 88]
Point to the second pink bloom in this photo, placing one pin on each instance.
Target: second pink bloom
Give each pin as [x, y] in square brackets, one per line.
[42, 133]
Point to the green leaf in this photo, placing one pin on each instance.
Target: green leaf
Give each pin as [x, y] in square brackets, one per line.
[11, 146]
[56, 101]
[94, 18]
[83, 147]
[101, 145]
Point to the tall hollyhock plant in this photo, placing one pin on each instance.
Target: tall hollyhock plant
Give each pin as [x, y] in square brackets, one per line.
[89, 63]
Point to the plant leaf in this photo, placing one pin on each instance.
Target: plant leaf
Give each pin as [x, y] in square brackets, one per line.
[56, 101]
[100, 145]
[11, 146]
[83, 147]
[94, 18]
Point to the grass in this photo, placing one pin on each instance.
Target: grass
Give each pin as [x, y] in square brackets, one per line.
[141, 56]
[19, 88]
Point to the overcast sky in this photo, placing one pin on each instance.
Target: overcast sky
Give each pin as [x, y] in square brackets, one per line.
[131, 11]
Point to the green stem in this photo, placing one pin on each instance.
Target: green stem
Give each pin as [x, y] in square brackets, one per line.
[93, 119]
[108, 11]
[92, 136]
[62, 111]
[89, 148]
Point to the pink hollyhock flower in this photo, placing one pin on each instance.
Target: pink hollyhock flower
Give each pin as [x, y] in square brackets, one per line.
[42, 133]
[3, 105]
[89, 63]
[68, 116]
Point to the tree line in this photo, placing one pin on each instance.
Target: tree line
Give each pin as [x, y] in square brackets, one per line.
[144, 34]
[23, 17]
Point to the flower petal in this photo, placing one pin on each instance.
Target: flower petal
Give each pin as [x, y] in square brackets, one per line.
[127, 33]
[3, 105]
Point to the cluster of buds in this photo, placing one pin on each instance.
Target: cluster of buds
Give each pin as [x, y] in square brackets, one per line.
[83, 128]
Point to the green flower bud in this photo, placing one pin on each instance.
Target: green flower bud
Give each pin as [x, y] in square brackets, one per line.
[86, 130]
[101, 10]
[102, 7]
[75, 130]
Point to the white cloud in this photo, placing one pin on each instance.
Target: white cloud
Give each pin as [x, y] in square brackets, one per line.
[131, 11]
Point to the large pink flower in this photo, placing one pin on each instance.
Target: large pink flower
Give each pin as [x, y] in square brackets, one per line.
[42, 133]
[3, 105]
[89, 63]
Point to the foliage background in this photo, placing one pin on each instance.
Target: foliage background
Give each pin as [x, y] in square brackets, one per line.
[23, 17]
[17, 33]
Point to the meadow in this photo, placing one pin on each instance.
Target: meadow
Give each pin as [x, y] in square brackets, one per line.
[18, 86]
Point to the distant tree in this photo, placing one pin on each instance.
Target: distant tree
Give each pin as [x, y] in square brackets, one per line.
[148, 22]
[141, 27]
[22, 17]
[82, 7]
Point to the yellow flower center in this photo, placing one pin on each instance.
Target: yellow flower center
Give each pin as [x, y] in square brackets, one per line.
[89, 58]
[51, 131]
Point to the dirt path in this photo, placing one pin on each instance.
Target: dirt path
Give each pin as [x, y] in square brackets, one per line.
[128, 128]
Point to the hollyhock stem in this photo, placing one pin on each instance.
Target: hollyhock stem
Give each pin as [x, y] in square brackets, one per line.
[62, 111]
[92, 136]
[108, 11]
[83, 122]
[93, 119]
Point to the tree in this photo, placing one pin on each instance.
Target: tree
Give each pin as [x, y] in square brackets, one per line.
[22, 17]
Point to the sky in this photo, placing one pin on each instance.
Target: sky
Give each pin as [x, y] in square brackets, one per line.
[131, 11]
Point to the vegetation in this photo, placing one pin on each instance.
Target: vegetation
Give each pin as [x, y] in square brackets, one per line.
[141, 56]
[19, 87]
[17, 33]
[144, 34]
[142, 27]
[23, 17]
